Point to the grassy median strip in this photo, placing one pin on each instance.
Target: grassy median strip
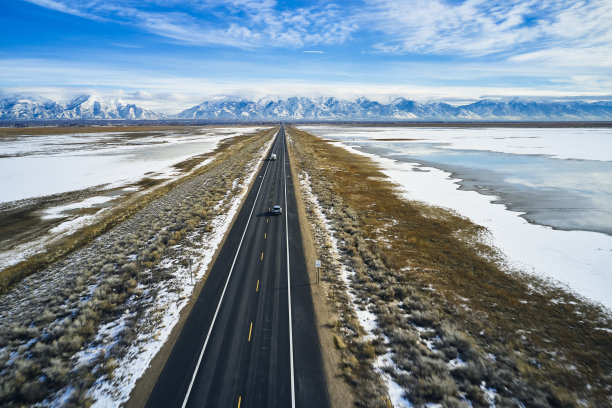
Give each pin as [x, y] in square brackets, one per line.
[453, 326]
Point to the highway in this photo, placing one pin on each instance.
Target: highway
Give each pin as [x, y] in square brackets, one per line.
[251, 337]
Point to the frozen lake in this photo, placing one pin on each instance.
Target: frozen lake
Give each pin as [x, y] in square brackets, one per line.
[520, 183]
[556, 177]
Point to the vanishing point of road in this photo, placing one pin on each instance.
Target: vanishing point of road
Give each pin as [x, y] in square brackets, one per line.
[251, 338]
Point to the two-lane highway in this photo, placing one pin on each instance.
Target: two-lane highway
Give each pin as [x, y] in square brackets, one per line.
[251, 339]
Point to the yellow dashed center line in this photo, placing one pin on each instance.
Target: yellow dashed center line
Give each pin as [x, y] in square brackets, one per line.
[267, 219]
[261, 257]
[239, 401]
[257, 288]
[250, 330]
[265, 235]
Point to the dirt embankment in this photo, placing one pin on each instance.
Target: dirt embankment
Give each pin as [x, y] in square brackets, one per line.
[451, 326]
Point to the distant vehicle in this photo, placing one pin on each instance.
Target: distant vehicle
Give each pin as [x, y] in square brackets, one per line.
[273, 157]
[276, 210]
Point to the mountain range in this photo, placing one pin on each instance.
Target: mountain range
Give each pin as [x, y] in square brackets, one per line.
[311, 109]
[83, 107]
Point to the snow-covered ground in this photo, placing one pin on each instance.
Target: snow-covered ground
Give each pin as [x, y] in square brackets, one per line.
[561, 143]
[42, 165]
[171, 297]
[34, 166]
[579, 259]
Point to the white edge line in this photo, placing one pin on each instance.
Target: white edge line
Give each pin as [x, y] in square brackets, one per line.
[288, 280]
[195, 372]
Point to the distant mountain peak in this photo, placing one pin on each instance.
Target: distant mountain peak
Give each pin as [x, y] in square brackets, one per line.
[321, 108]
[80, 107]
[362, 108]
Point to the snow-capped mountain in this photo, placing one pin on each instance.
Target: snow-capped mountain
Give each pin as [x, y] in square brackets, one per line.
[311, 109]
[83, 107]
[299, 108]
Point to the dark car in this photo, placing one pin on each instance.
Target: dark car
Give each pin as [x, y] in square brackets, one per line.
[276, 210]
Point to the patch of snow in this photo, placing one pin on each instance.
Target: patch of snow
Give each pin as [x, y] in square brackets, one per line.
[456, 363]
[57, 212]
[62, 398]
[396, 392]
[489, 394]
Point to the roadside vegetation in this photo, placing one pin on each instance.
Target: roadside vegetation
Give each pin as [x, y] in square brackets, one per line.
[422, 304]
[22, 228]
[68, 317]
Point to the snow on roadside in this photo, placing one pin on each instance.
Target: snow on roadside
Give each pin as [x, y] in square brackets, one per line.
[367, 320]
[167, 305]
[579, 260]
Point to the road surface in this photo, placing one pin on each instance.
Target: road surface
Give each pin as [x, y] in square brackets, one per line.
[250, 339]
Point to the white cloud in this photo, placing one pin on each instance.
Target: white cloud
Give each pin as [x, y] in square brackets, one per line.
[483, 27]
[62, 7]
[236, 23]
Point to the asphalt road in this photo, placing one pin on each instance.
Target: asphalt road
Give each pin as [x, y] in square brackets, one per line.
[251, 340]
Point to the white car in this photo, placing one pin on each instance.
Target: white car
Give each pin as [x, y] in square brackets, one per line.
[277, 210]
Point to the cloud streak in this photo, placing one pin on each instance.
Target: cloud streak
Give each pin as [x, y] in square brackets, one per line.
[472, 28]
[483, 27]
[475, 45]
[236, 23]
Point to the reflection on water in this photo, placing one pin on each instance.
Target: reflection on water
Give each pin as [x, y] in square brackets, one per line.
[565, 194]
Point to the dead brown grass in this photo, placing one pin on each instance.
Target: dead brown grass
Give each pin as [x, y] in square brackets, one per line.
[15, 273]
[551, 348]
[339, 392]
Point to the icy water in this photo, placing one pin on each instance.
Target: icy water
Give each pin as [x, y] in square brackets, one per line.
[565, 194]
[531, 171]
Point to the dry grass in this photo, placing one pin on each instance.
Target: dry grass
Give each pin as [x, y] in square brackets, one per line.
[15, 273]
[340, 394]
[49, 317]
[549, 348]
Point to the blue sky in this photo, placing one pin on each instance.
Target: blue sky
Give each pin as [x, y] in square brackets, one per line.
[171, 54]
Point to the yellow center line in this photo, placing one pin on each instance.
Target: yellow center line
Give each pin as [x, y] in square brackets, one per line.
[250, 330]
[257, 288]
[239, 401]
[267, 219]
[261, 257]
[265, 235]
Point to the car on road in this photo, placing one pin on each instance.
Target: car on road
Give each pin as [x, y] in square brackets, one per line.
[277, 210]
[273, 157]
